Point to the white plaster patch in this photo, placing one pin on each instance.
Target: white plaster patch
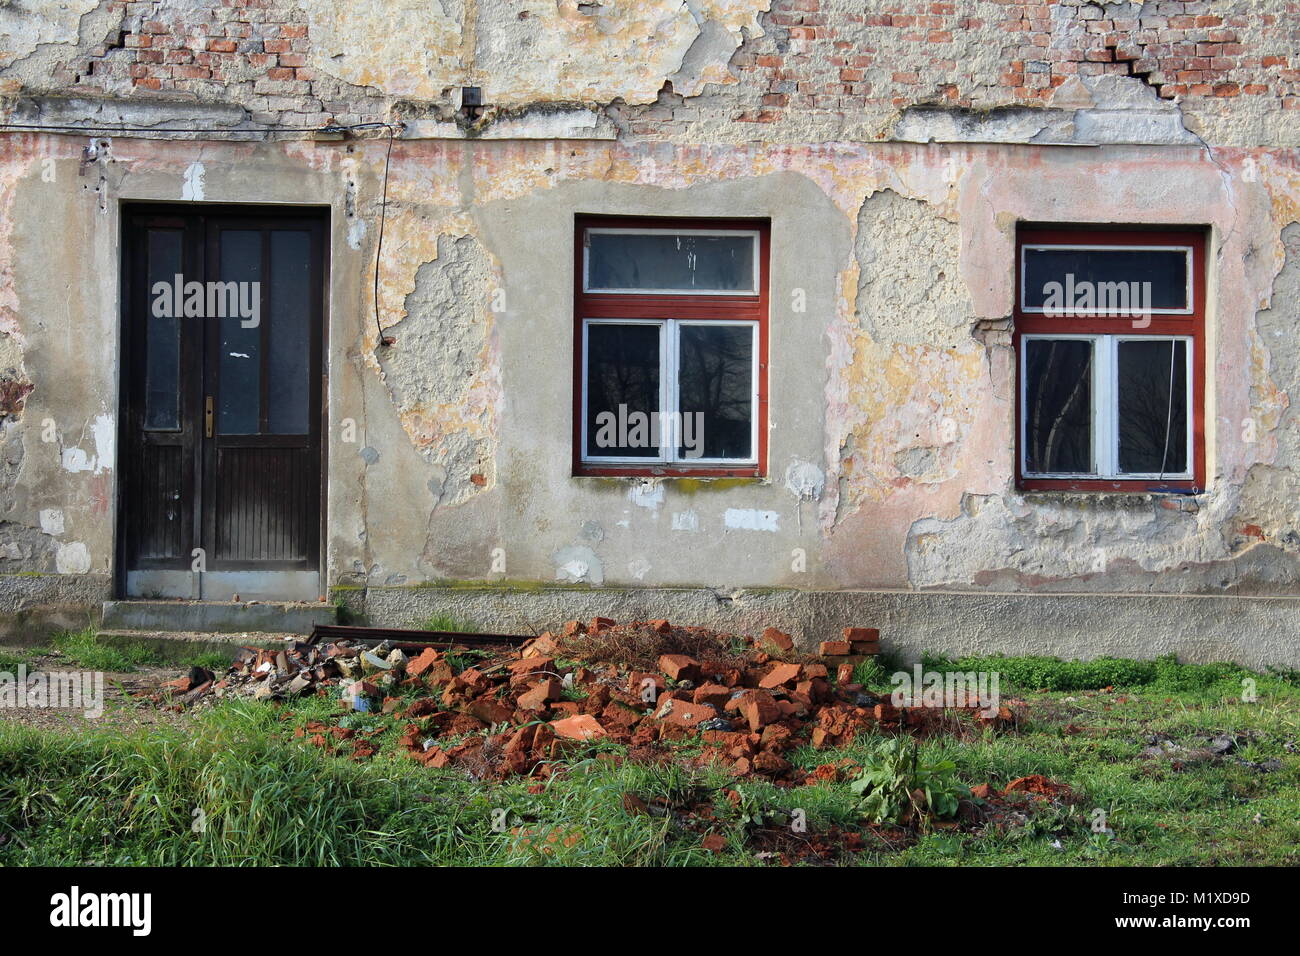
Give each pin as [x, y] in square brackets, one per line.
[72, 558]
[750, 519]
[52, 520]
[104, 431]
[638, 567]
[192, 189]
[76, 459]
[577, 564]
[805, 480]
[356, 232]
[686, 521]
[646, 494]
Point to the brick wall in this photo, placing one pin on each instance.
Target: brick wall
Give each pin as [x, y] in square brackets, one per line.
[827, 58]
[252, 53]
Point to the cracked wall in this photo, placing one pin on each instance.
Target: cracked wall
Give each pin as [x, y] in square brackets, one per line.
[785, 71]
[441, 370]
[894, 155]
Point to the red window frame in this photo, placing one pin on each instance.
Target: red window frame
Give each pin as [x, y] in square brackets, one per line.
[743, 308]
[1190, 325]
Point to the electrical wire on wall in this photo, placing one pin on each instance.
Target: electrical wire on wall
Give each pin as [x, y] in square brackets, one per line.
[240, 136]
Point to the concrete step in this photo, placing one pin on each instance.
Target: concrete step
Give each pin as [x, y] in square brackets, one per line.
[174, 646]
[281, 617]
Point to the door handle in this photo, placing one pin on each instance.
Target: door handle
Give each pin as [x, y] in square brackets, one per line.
[207, 417]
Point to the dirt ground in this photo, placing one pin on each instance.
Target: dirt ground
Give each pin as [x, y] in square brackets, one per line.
[121, 712]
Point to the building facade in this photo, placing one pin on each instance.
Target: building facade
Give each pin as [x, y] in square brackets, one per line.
[974, 321]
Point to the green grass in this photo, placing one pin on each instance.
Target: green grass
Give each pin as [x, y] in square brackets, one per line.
[267, 798]
[85, 649]
[448, 622]
[214, 661]
[1052, 673]
[11, 662]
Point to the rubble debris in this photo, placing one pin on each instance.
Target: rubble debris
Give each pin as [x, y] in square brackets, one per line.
[494, 711]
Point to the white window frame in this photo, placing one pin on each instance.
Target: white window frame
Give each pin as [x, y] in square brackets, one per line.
[669, 392]
[1105, 406]
[753, 235]
[1103, 313]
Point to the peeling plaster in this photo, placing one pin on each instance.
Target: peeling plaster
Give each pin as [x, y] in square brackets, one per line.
[441, 371]
[539, 51]
[24, 26]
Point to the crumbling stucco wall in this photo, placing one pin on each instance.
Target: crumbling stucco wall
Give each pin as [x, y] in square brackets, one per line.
[894, 155]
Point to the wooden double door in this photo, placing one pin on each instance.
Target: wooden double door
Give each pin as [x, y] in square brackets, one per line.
[223, 328]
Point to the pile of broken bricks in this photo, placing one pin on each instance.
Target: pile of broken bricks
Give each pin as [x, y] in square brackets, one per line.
[521, 710]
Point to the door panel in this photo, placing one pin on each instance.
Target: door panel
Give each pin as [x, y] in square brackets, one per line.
[223, 417]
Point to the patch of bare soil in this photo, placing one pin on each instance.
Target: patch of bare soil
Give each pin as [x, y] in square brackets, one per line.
[122, 709]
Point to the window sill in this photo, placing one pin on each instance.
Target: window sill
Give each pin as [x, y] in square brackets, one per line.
[667, 471]
[1110, 486]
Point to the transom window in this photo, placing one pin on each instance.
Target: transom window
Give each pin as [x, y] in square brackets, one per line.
[671, 327]
[1110, 349]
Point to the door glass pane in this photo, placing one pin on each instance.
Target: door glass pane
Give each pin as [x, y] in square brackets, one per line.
[716, 386]
[1100, 280]
[163, 333]
[622, 391]
[670, 262]
[239, 361]
[1152, 417]
[290, 316]
[1058, 406]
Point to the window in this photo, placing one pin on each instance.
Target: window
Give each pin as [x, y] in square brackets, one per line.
[671, 332]
[1111, 363]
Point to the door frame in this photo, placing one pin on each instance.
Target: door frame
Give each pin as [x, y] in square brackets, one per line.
[127, 210]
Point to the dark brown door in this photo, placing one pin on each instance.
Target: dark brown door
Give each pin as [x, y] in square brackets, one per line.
[223, 334]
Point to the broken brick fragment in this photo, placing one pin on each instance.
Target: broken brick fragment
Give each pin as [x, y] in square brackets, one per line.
[780, 675]
[683, 713]
[578, 727]
[834, 648]
[425, 660]
[544, 645]
[715, 695]
[541, 694]
[679, 667]
[778, 639]
[759, 709]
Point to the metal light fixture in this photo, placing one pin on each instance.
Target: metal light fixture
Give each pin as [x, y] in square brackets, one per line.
[471, 102]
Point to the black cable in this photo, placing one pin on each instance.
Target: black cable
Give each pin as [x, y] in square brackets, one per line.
[379, 245]
[333, 128]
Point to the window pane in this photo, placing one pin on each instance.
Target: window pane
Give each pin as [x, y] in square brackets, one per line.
[1152, 428]
[239, 402]
[1106, 279]
[622, 391]
[716, 385]
[290, 314]
[163, 336]
[670, 262]
[1058, 406]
